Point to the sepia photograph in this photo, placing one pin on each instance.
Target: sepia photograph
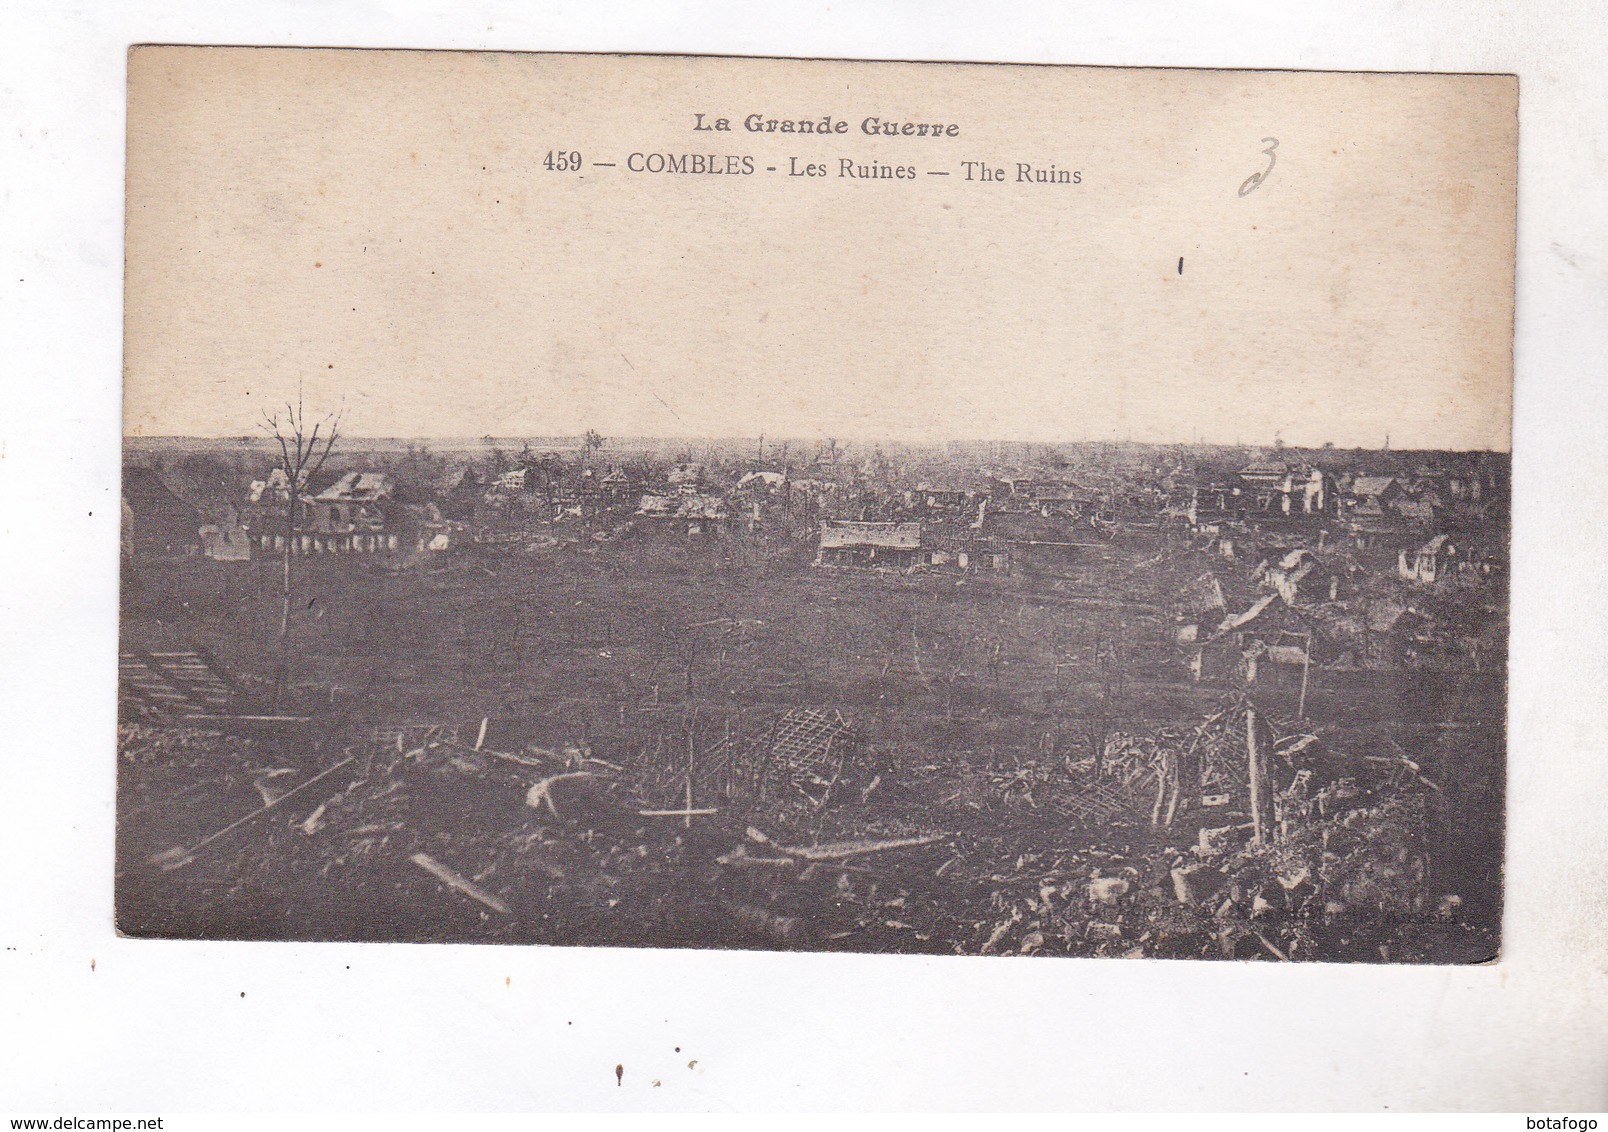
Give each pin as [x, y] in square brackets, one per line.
[714, 558]
[723, 503]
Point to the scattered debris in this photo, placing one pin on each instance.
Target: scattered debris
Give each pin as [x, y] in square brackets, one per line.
[787, 930]
[541, 794]
[1160, 857]
[179, 856]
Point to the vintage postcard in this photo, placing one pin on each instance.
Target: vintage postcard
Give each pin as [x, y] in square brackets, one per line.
[815, 505]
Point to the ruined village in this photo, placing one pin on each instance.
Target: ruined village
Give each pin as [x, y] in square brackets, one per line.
[1097, 699]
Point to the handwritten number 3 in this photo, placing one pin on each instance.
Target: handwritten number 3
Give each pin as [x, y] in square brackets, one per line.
[1256, 179]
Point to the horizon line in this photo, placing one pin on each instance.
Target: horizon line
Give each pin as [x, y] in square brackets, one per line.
[522, 438]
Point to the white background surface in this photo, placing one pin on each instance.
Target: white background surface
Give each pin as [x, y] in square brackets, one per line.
[164, 1027]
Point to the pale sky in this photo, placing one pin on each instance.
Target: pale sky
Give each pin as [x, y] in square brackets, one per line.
[380, 227]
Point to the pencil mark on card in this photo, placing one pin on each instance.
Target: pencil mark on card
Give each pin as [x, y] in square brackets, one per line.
[1249, 185]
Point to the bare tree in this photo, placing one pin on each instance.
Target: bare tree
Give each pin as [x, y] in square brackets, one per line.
[302, 453]
[591, 442]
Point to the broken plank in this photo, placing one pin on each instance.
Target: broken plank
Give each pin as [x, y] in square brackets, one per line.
[742, 859]
[839, 849]
[453, 880]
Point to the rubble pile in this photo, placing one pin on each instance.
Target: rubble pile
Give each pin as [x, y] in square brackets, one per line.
[1192, 769]
[183, 747]
[1342, 867]
[1153, 849]
[775, 762]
